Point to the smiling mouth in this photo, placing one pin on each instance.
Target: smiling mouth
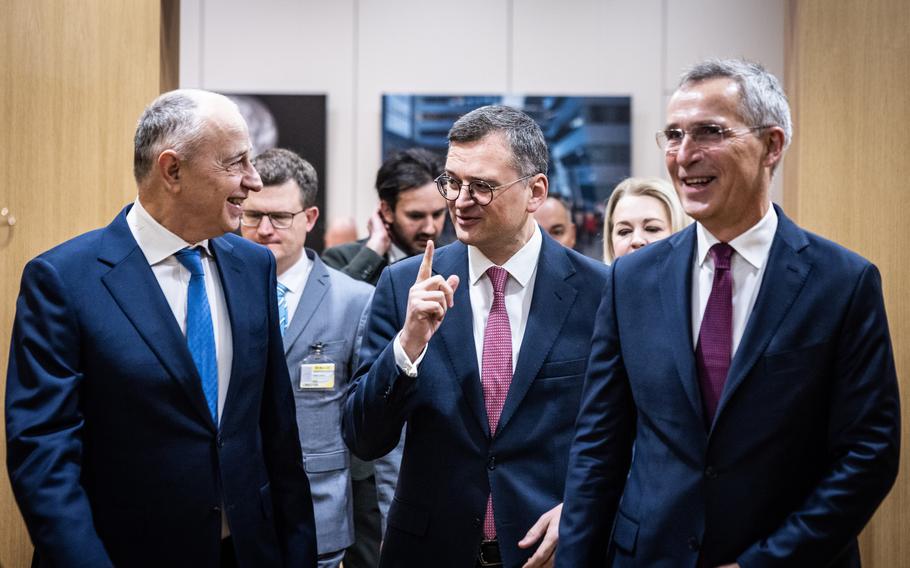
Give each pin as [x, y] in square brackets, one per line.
[238, 201]
[697, 181]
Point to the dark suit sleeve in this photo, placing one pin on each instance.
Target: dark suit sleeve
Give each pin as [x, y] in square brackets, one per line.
[601, 450]
[863, 442]
[356, 260]
[289, 484]
[44, 423]
[377, 403]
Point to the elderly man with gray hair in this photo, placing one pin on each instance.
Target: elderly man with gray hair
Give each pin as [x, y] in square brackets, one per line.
[741, 404]
[481, 348]
[149, 414]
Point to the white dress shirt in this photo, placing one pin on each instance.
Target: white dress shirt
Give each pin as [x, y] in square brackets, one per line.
[522, 269]
[747, 266]
[159, 245]
[294, 279]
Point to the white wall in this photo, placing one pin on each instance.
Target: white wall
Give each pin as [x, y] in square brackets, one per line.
[356, 50]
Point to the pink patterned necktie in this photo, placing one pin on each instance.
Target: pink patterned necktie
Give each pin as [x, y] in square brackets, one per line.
[715, 338]
[496, 371]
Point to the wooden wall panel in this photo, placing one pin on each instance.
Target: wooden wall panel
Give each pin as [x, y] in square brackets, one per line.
[849, 178]
[76, 76]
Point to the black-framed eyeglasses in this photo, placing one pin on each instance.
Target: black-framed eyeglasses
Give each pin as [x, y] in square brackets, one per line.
[481, 191]
[702, 135]
[278, 219]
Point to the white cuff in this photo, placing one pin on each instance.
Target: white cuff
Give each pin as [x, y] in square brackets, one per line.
[402, 360]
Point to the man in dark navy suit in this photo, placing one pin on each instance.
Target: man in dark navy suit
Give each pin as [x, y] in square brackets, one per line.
[149, 413]
[481, 348]
[742, 366]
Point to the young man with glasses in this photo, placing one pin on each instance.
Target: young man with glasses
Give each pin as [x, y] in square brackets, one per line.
[480, 347]
[741, 404]
[320, 314]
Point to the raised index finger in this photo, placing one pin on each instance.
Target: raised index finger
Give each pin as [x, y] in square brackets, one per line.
[426, 265]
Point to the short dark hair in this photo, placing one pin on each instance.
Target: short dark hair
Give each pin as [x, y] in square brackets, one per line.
[276, 166]
[406, 170]
[525, 138]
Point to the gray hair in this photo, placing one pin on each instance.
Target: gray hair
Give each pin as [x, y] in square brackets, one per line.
[172, 121]
[276, 166]
[526, 141]
[763, 101]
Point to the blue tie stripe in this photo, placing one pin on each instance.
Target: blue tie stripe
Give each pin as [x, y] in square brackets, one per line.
[200, 335]
[282, 307]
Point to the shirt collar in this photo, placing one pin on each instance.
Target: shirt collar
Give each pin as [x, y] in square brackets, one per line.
[520, 266]
[155, 241]
[753, 245]
[396, 253]
[294, 278]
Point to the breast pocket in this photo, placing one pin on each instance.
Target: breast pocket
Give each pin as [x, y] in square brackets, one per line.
[563, 370]
[805, 361]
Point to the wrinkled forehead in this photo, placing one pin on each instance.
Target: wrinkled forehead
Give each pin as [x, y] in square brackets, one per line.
[716, 100]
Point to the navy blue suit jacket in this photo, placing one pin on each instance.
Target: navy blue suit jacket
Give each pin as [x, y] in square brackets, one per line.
[112, 453]
[450, 461]
[805, 441]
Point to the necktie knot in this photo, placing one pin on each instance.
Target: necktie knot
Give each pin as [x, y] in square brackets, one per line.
[721, 253]
[282, 290]
[191, 259]
[498, 276]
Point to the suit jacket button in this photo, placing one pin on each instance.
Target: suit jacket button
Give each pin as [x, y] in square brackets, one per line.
[477, 521]
[216, 509]
[710, 472]
[491, 463]
[219, 441]
[693, 543]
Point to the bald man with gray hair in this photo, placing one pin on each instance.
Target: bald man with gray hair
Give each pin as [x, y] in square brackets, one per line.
[149, 414]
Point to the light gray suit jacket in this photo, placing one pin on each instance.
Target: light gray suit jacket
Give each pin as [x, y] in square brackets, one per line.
[332, 310]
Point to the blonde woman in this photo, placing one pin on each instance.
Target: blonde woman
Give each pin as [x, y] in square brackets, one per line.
[639, 212]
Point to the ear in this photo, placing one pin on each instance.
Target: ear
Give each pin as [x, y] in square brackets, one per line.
[168, 167]
[539, 187]
[386, 212]
[774, 147]
[312, 213]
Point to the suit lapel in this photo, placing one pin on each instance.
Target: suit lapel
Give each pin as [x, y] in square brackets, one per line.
[317, 286]
[784, 277]
[550, 306]
[134, 287]
[239, 307]
[457, 332]
[676, 297]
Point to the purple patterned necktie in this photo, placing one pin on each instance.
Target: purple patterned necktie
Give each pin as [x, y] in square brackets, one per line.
[715, 338]
[496, 370]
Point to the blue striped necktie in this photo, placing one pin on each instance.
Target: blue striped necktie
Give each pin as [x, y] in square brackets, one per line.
[200, 335]
[282, 307]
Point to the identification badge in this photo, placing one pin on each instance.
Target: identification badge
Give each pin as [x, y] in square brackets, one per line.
[317, 371]
[317, 376]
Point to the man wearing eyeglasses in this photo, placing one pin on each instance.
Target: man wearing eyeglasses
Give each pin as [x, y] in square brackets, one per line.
[481, 347]
[320, 312]
[747, 360]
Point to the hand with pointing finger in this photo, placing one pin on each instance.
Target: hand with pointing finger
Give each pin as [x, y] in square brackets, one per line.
[428, 300]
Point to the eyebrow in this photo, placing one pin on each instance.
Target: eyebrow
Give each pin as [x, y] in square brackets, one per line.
[646, 220]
